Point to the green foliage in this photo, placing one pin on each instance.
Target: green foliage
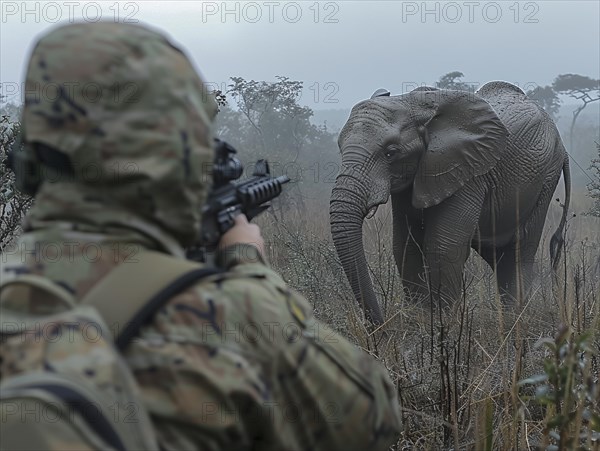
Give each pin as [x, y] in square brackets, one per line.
[569, 391]
[594, 185]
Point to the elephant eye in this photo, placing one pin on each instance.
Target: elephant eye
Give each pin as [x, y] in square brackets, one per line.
[390, 151]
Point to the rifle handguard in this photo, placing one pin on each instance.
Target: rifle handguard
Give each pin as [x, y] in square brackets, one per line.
[262, 191]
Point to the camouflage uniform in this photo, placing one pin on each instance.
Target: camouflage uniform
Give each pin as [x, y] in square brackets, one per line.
[235, 362]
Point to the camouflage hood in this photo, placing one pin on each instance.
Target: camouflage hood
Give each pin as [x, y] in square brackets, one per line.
[127, 121]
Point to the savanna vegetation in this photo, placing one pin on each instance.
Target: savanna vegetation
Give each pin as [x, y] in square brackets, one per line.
[477, 377]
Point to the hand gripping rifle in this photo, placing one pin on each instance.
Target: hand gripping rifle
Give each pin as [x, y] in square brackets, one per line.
[230, 197]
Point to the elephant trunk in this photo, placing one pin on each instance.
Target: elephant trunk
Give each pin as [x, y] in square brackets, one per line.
[347, 211]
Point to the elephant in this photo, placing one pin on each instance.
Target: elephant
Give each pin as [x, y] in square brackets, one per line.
[463, 170]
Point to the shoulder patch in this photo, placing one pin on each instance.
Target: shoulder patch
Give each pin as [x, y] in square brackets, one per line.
[296, 311]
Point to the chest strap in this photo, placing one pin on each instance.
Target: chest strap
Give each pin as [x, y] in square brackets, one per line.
[129, 296]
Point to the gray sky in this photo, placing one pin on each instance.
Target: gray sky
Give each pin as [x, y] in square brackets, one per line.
[342, 51]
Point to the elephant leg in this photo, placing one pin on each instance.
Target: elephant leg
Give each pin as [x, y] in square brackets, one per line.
[408, 244]
[514, 274]
[450, 227]
[515, 262]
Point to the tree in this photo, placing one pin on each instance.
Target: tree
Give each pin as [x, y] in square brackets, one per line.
[268, 122]
[578, 87]
[594, 185]
[547, 98]
[11, 110]
[272, 110]
[452, 81]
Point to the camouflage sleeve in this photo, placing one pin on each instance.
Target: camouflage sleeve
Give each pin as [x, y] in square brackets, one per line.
[239, 362]
[238, 254]
[346, 397]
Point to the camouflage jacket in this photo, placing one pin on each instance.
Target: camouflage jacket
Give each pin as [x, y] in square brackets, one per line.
[235, 362]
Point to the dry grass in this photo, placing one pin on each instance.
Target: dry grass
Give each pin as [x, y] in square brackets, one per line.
[457, 372]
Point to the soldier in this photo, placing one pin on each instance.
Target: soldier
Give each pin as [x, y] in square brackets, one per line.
[119, 124]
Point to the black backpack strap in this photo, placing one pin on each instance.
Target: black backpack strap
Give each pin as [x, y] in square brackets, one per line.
[130, 294]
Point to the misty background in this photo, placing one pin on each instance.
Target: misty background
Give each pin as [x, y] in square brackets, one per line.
[357, 46]
[343, 51]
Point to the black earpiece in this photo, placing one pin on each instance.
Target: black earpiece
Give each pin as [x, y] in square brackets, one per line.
[22, 162]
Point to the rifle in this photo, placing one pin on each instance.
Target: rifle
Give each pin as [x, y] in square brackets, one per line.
[230, 197]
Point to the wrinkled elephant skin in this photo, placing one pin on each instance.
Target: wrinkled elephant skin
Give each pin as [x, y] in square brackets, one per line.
[463, 170]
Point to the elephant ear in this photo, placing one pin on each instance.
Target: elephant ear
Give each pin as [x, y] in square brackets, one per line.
[465, 139]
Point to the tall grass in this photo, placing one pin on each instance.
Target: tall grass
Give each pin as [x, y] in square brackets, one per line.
[476, 376]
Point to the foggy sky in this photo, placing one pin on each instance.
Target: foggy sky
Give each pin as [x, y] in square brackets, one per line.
[343, 51]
